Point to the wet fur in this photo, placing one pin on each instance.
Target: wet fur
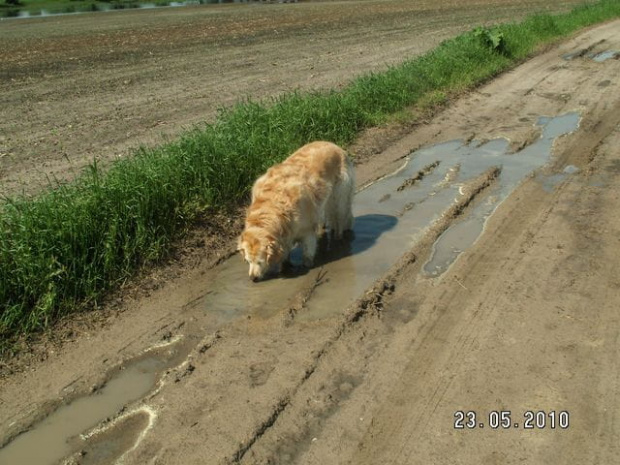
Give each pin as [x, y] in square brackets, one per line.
[293, 201]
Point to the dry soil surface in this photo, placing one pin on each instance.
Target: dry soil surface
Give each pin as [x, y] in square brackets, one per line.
[290, 371]
[94, 86]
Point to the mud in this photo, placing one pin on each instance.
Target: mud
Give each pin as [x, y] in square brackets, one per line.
[110, 444]
[388, 219]
[57, 436]
[475, 157]
[525, 319]
[391, 215]
[604, 56]
[597, 52]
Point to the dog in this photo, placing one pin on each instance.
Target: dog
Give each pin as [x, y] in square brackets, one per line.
[293, 203]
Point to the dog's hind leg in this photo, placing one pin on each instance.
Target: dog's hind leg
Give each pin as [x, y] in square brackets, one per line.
[342, 202]
[346, 212]
[345, 206]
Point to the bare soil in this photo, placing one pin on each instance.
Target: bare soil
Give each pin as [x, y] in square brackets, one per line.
[95, 86]
[525, 320]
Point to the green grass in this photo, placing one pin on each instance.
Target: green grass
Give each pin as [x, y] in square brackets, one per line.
[63, 249]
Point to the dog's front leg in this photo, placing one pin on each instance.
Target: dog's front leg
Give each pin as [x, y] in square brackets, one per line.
[308, 247]
[286, 263]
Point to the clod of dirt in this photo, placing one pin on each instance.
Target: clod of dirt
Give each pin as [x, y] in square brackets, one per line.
[428, 169]
[526, 140]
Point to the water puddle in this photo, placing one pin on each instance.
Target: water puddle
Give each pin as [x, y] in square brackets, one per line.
[599, 57]
[390, 216]
[459, 237]
[58, 435]
[515, 168]
[109, 445]
[604, 56]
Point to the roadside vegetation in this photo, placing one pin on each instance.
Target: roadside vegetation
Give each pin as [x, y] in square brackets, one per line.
[61, 250]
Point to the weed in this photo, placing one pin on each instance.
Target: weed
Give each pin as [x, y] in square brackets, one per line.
[491, 38]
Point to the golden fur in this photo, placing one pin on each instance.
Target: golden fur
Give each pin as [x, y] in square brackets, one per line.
[292, 202]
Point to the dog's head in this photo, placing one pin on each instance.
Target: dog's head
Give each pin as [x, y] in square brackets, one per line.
[260, 251]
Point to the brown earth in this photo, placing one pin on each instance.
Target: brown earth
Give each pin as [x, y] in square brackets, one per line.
[525, 320]
[76, 88]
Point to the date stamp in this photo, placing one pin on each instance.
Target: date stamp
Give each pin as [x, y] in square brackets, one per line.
[505, 419]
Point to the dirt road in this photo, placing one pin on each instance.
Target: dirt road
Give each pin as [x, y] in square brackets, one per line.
[75, 88]
[368, 358]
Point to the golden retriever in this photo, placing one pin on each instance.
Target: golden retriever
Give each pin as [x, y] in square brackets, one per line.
[292, 202]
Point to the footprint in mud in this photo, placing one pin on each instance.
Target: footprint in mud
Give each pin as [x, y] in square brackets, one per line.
[259, 373]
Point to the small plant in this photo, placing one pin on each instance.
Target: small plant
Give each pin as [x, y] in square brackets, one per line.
[492, 38]
[12, 2]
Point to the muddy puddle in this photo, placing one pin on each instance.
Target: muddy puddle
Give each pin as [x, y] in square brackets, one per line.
[58, 435]
[515, 167]
[108, 445]
[390, 216]
[604, 56]
[598, 57]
